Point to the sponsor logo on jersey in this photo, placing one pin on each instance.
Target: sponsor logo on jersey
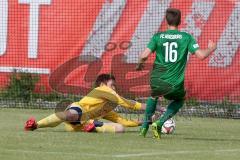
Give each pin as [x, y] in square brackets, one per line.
[195, 46]
[171, 36]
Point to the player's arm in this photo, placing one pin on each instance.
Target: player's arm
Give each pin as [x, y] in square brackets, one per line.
[142, 58]
[144, 55]
[130, 104]
[111, 96]
[204, 53]
[116, 118]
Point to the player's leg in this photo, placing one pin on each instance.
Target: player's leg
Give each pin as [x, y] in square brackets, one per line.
[177, 98]
[158, 88]
[105, 128]
[172, 109]
[50, 121]
[95, 126]
[73, 128]
[110, 128]
[150, 109]
[87, 126]
[72, 115]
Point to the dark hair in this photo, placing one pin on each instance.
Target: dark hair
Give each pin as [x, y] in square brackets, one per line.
[103, 78]
[173, 16]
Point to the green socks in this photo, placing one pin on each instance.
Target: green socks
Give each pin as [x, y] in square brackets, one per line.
[150, 109]
[172, 109]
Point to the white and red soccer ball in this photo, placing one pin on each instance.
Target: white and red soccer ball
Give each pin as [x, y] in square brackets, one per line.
[169, 126]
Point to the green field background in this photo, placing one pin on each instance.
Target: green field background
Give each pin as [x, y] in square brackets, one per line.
[194, 139]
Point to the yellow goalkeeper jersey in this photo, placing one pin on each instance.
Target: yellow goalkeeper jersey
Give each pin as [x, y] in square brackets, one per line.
[102, 100]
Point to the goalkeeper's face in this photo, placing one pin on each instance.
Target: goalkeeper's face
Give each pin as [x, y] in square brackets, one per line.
[111, 84]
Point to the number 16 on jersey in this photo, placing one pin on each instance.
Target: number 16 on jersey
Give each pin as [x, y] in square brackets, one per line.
[170, 51]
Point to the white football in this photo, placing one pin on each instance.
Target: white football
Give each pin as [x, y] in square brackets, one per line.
[169, 126]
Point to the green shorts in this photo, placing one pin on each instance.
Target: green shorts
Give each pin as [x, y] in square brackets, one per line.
[160, 87]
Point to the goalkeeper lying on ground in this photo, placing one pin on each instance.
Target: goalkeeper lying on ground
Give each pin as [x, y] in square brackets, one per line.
[83, 115]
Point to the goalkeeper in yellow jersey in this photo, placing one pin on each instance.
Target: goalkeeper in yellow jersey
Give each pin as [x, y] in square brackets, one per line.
[98, 103]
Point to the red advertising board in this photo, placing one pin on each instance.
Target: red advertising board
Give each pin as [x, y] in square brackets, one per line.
[69, 42]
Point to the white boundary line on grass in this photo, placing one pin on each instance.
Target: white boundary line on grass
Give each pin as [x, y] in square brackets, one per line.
[174, 152]
[125, 155]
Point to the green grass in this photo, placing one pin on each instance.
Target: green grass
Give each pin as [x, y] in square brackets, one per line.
[194, 139]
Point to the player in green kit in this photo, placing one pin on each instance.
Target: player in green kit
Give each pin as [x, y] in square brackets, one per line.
[167, 77]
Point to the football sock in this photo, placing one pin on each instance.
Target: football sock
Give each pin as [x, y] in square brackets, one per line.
[106, 129]
[172, 109]
[150, 109]
[51, 121]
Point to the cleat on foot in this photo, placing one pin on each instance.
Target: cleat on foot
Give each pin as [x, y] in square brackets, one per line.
[143, 132]
[30, 124]
[156, 131]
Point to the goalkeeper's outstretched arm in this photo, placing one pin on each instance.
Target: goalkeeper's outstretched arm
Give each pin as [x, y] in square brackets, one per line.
[116, 118]
[113, 97]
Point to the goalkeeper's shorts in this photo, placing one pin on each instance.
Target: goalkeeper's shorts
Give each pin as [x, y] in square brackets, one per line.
[79, 112]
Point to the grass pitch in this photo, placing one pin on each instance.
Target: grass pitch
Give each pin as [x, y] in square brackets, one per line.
[194, 139]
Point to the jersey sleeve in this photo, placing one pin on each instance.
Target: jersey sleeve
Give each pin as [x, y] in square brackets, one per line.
[116, 118]
[129, 104]
[152, 44]
[192, 45]
[111, 96]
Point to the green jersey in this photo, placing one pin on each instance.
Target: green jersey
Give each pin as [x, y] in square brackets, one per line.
[172, 48]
